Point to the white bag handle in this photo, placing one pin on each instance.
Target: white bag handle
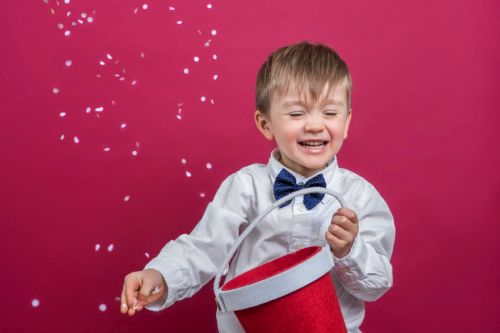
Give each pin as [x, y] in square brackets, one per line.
[248, 230]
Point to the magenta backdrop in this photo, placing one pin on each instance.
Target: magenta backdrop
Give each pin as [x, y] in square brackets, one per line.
[426, 82]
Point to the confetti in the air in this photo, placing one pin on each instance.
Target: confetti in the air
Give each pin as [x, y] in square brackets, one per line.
[75, 139]
[67, 33]
[68, 63]
[188, 174]
[209, 6]
[97, 247]
[186, 70]
[123, 125]
[110, 247]
[106, 149]
[62, 137]
[88, 109]
[145, 6]
[103, 307]
[62, 114]
[203, 98]
[35, 303]
[55, 90]
[90, 19]
[209, 165]
[146, 254]
[214, 32]
[215, 76]
[134, 153]
[126, 198]
[99, 109]
[214, 56]
[183, 161]
[179, 22]
[171, 8]
[196, 59]
[202, 194]
[109, 56]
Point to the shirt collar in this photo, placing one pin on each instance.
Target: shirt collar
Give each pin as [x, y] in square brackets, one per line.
[274, 167]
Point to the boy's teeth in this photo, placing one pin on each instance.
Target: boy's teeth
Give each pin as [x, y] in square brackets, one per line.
[313, 143]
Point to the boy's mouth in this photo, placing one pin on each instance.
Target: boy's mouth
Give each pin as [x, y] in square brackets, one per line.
[313, 143]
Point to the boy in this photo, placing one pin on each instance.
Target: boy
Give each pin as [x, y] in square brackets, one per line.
[303, 95]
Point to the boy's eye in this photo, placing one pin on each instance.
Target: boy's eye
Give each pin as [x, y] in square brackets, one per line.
[331, 113]
[296, 113]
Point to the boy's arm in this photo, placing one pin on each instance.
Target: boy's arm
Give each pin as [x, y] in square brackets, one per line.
[366, 271]
[191, 260]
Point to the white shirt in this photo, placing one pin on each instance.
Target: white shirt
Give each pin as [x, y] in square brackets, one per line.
[365, 274]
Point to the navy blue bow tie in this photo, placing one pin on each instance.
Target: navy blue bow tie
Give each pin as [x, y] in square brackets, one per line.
[285, 184]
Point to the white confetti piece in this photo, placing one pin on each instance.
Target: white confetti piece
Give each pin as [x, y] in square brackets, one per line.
[67, 33]
[207, 43]
[186, 70]
[75, 139]
[62, 114]
[68, 14]
[179, 117]
[171, 8]
[146, 254]
[202, 194]
[196, 59]
[188, 174]
[97, 247]
[99, 109]
[60, 26]
[145, 6]
[209, 165]
[136, 10]
[134, 82]
[126, 198]
[73, 23]
[134, 153]
[113, 102]
[213, 32]
[183, 161]
[103, 307]
[110, 247]
[61, 137]
[142, 55]
[102, 63]
[123, 125]
[88, 109]
[215, 77]
[83, 15]
[212, 100]
[35, 303]
[90, 19]
[109, 56]
[106, 149]
[203, 98]
[68, 63]
[214, 56]
[80, 21]
[179, 22]
[66, 2]
[209, 6]
[55, 90]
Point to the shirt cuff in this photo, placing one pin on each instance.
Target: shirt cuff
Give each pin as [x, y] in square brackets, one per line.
[350, 267]
[169, 277]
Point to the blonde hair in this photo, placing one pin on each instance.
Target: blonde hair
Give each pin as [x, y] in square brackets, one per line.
[301, 66]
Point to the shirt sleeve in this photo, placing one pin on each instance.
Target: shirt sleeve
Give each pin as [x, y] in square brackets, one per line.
[366, 272]
[190, 261]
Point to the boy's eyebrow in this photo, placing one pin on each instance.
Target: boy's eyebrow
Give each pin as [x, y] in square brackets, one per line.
[299, 102]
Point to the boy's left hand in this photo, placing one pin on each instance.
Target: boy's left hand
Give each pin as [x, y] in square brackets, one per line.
[342, 232]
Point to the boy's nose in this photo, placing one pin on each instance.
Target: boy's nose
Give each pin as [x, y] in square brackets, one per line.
[314, 124]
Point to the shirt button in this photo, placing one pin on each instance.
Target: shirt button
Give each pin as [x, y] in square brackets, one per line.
[300, 183]
[301, 208]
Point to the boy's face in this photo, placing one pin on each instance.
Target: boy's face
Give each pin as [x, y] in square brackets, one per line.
[307, 135]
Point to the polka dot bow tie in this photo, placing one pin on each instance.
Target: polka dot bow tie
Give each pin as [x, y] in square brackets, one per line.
[285, 184]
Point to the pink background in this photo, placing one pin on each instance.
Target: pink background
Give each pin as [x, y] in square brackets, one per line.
[425, 112]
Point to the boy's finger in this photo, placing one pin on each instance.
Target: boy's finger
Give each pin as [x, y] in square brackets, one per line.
[344, 223]
[123, 302]
[349, 213]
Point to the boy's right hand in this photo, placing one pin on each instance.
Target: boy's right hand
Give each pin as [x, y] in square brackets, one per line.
[140, 289]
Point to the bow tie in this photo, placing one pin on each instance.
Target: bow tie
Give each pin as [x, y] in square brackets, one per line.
[285, 184]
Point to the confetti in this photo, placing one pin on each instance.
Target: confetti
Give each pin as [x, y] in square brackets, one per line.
[90, 19]
[145, 6]
[214, 32]
[66, 2]
[67, 33]
[97, 247]
[62, 114]
[183, 161]
[35, 303]
[179, 117]
[171, 8]
[211, 100]
[109, 56]
[203, 98]
[214, 56]
[88, 109]
[110, 247]
[179, 22]
[106, 149]
[188, 174]
[202, 194]
[103, 307]
[209, 6]
[123, 125]
[60, 26]
[134, 82]
[209, 165]
[186, 70]
[146, 254]
[215, 77]
[75, 139]
[83, 15]
[126, 198]
[62, 137]
[102, 63]
[196, 59]
[99, 109]
[142, 55]
[134, 153]
[55, 90]
[207, 43]
[68, 63]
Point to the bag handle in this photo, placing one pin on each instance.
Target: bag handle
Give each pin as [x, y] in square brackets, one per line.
[258, 219]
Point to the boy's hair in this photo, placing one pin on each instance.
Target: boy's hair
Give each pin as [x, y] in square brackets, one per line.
[300, 66]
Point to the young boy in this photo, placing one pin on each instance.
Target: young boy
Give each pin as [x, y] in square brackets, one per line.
[303, 95]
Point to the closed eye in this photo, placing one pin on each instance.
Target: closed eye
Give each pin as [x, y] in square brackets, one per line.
[296, 113]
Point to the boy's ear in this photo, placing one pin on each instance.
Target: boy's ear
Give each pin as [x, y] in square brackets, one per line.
[347, 122]
[263, 125]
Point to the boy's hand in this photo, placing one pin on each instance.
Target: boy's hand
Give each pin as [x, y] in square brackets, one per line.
[140, 289]
[342, 232]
